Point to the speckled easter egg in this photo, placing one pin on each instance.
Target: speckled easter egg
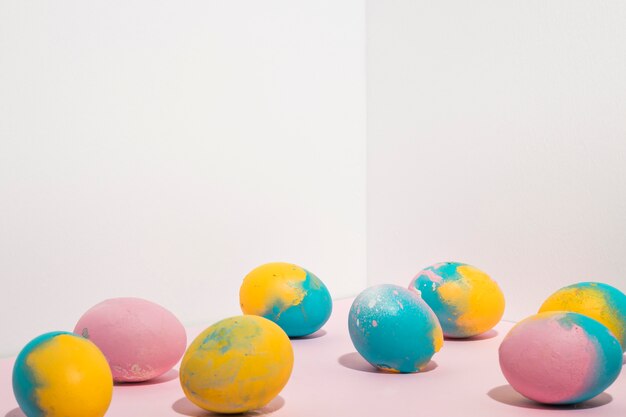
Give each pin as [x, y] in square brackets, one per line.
[394, 329]
[599, 301]
[140, 339]
[560, 357]
[236, 365]
[465, 299]
[287, 294]
[62, 374]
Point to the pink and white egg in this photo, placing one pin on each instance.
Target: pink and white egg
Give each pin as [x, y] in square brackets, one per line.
[560, 357]
[140, 339]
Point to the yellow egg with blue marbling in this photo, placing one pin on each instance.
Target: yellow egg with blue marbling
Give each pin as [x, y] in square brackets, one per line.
[599, 301]
[287, 294]
[464, 298]
[60, 374]
[236, 365]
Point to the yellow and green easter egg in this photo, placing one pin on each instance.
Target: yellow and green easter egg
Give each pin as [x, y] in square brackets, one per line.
[599, 301]
[464, 298]
[236, 365]
[287, 294]
[60, 374]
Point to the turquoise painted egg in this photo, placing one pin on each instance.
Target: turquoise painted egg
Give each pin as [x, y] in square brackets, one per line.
[394, 329]
[288, 295]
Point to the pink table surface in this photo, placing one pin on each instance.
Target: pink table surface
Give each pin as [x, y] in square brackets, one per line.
[331, 379]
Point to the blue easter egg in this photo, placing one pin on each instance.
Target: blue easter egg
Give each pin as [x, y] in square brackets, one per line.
[394, 329]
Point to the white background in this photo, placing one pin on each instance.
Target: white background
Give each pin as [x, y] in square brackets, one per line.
[497, 137]
[163, 149]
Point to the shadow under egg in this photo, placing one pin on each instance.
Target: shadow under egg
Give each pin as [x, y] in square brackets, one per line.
[505, 394]
[186, 408]
[16, 412]
[489, 334]
[315, 335]
[356, 362]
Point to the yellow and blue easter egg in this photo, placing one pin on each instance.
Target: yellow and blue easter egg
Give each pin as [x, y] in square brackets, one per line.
[287, 294]
[394, 329]
[236, 365]
[464, 298]
[560, 357]
[599, 301]
[62, 374]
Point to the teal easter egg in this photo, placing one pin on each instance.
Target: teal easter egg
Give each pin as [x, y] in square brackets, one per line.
[394, 329]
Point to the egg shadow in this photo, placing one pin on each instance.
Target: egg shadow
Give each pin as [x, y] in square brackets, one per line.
[490, 334]
[16, 412]
[166, 377]
[356, 362]
[316, 335]
[187, 408]
[505, 394]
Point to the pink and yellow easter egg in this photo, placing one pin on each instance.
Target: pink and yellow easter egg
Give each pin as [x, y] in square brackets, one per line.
[140, 339]
[599, 301]
[236, 365]
[560, 357]
[464, 298]
[62, 374]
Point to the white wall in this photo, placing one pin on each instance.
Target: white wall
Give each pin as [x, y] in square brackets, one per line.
[163, 149]
[497, 136]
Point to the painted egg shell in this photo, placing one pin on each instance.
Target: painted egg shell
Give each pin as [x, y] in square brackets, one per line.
[394, 329]
[596, 300]
[62, 374]
[287, 294]
[465, 299]
[236, 365]
[560, 357]
[140, 339]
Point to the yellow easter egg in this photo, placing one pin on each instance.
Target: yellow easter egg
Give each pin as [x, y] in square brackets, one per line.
[236, 365]
[464, 298]
[597, 300]
[287, 294]
[61, 374]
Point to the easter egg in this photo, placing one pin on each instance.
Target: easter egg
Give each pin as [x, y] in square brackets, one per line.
[596, 300]
[140, 339]
[465, 299]
[394, 329]
[236, 365]
[62, 374]
[287, 294]
[560, 357]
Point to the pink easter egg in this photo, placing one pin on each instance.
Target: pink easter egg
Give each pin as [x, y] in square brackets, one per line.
[558, 357]
[140, 339]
